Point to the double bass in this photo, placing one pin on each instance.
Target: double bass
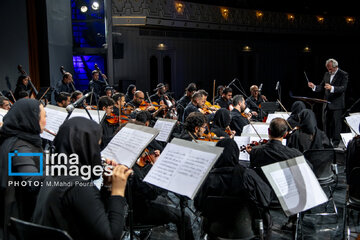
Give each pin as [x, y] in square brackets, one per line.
[63, 72]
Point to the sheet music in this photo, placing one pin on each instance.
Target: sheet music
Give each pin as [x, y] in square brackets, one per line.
[347, 137]
[355, 113]
[261, 128]
[127, 145]
[78, 112]
[208, 143]
[295, 185]
[3, 112]
[245, 140]
[55, 116]
[165, 126]
[183, 166]
[271, 116]
[354, 122]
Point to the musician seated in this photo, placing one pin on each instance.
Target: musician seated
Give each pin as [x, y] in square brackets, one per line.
[254, 101]
[228, 178]
[308, 136]
[219, 92]
[76, 205]
[22, 94]
[197, 102]
[76, 95]
[4, 103]
[352, 155]
[130, 91]
[21, 132]
[22, 84]
[109, 91]
[273, 151]
[194, 127]
[119, 99]
[225, 100]
[221, 124]
[63, 99]
[109, 127]
[64, 85]
[238, 118]
[184, 100]
[296, 108]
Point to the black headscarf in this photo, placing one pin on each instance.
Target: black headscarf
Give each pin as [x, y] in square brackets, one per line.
[222, 118]
[81, 136]
[308, 123]
[21, 122]
[230, 155]
[129, 95]
[296, 108]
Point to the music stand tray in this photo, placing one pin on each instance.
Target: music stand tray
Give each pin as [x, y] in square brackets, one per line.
[310, 101]
[270, 107]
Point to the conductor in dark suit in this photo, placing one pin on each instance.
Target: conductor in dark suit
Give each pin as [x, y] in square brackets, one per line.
[334, 84]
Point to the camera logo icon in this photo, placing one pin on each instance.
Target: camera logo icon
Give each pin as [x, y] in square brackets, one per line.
[17, 154]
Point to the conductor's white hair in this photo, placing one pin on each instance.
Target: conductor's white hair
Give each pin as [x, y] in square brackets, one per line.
[333, 61]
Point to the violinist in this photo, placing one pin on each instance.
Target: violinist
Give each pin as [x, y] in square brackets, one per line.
[254, 102]
[22, 84]
[139, 98]
[221, 124]
[184, 100]
[119, 99]
[109, 91]
[194, 127]
[63, 99]
[225, 100]
[96, 85]
[238, 118]
[4, 103]
[161, 98]
[107, 104]
[197, 101]
[65, 84]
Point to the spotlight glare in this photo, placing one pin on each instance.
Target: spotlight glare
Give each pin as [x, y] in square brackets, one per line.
[83, 9]
[95, 5]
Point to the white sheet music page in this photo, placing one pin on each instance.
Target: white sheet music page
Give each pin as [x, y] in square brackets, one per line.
[95, 114]
[183, 166]
[354, 121]
[261, 128]
[347, 137]
[165, 126]
[127, 145]
[55, 116]
[271, 116]
[295, 185]
[3, 112]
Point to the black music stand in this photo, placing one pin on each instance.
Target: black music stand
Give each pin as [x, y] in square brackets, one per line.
[310, 101]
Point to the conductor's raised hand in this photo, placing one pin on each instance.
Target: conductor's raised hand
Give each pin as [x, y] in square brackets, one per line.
[119, 179]
[311, 85]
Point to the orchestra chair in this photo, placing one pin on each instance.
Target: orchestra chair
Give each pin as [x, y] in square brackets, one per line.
[23, 230]
[324, 166]
[352, 200]
[231, 218]
[140, 231]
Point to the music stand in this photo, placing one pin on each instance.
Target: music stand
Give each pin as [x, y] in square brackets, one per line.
[269, 107]
[310, 101]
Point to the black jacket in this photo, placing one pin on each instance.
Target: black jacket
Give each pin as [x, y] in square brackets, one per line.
[336, 99]
[238, 121]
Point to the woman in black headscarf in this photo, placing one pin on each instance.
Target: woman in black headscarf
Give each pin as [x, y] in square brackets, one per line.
[229, 178]
[22, 85]
[296, 108]
[130, 93]
[308, 136]
[76, 205]
[221, 121]
[21, 132]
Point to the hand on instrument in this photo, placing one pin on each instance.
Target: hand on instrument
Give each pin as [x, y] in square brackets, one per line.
[327, 86]
[104, 76]
[119, 179]
[254, 113]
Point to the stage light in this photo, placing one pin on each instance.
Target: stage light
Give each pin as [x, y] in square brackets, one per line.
[95, 5]
[83, 9]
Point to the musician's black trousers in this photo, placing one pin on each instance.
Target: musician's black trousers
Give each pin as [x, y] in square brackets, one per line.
[332, 124]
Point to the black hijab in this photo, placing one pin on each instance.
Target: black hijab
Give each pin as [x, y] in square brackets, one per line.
[222, 118]
[129, 93]
[21, 122]
[230, 155]
[308, 123]
[296, 108]
[81, 136]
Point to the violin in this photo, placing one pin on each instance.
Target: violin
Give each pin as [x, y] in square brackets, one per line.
[145, 158]
[34, 92]
[114, 119]
[253, 144]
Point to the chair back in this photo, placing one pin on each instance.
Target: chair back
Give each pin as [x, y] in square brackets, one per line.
[29, 231]
[321, 160]
[229, 218]
[354, 184]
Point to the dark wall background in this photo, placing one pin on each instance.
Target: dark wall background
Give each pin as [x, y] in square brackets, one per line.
[13, 42]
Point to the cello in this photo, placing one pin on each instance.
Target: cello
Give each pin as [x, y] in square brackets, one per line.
[34, 92]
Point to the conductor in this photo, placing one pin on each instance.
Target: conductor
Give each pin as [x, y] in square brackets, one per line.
[334, 85]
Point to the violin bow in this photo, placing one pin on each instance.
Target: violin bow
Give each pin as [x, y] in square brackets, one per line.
[282, 106]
